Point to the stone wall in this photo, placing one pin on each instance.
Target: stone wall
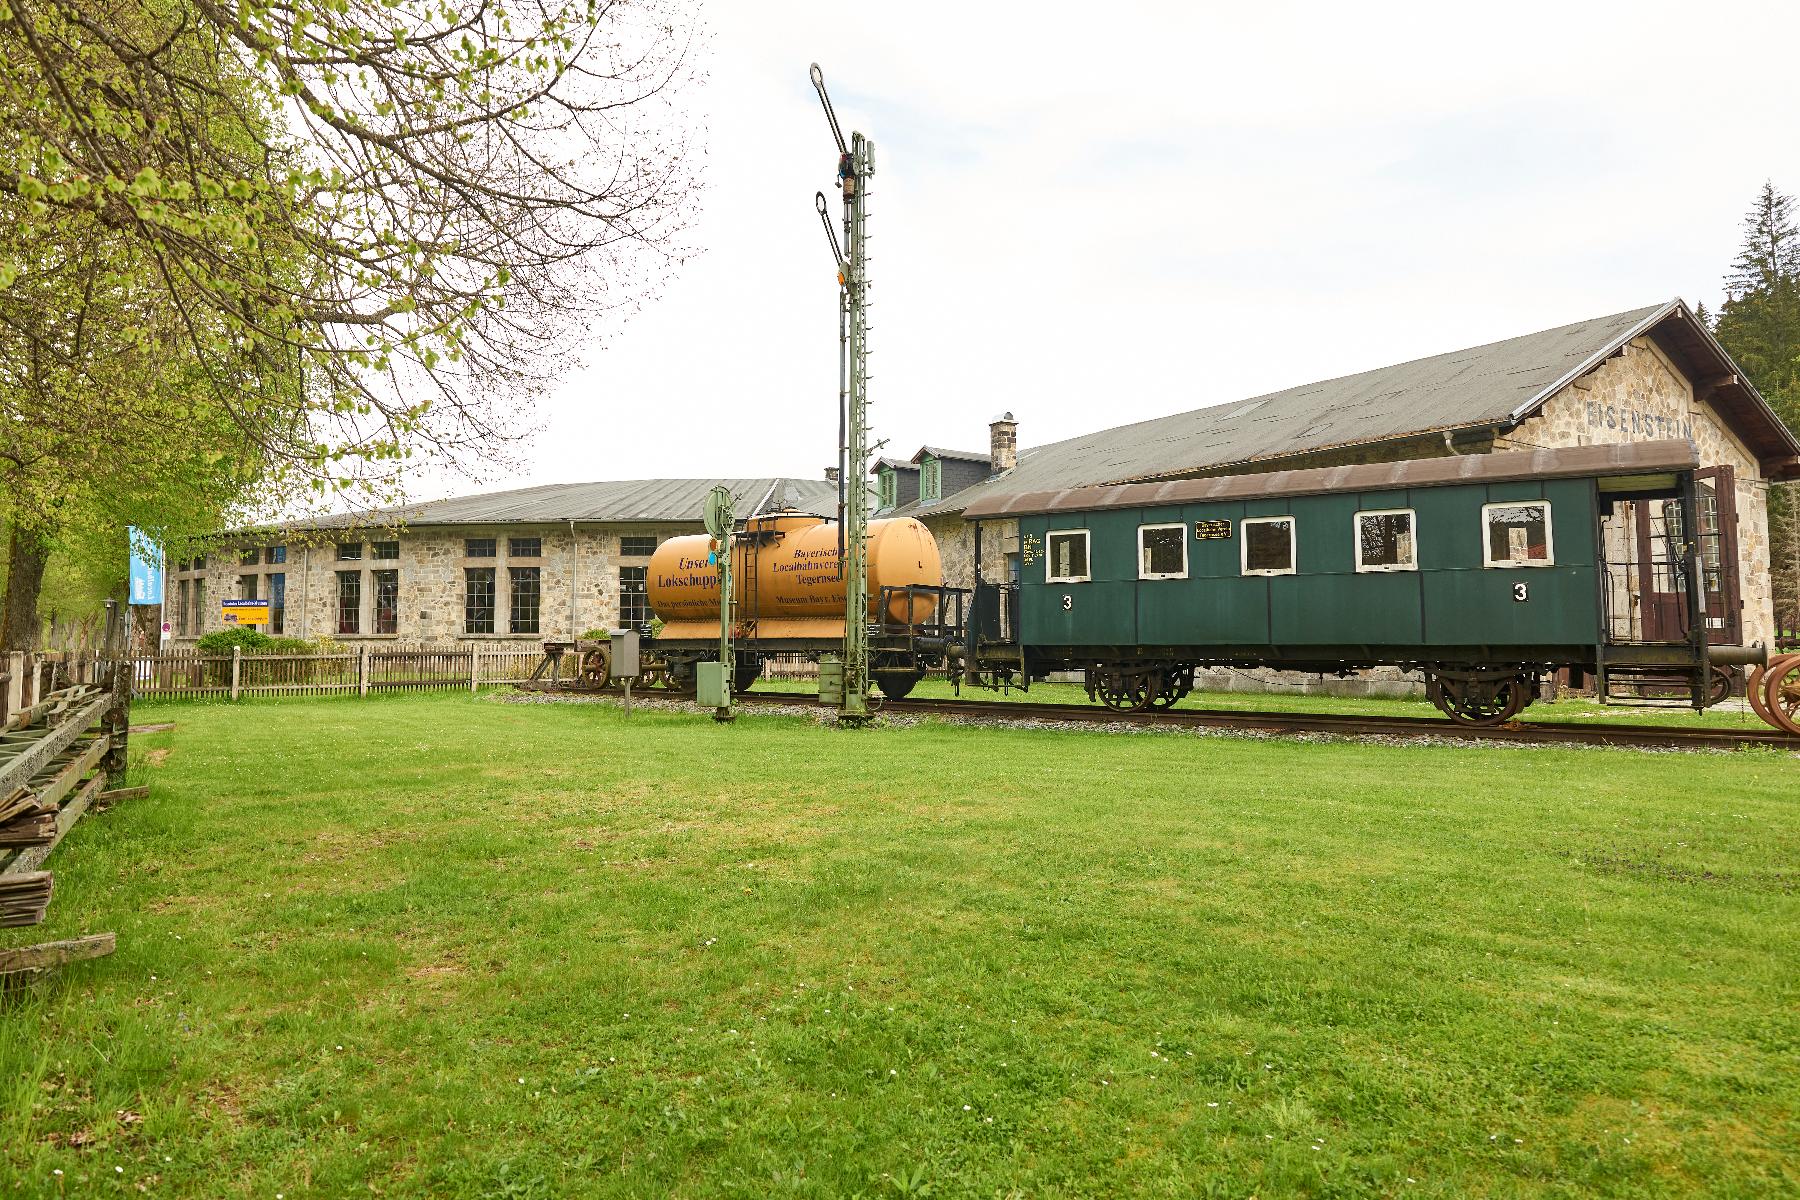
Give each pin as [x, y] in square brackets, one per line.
[1639, 395]
[578, 581]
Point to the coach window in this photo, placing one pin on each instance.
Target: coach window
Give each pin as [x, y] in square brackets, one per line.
[1268, 545]
[1067, 560]
[1384, 541]
[1162, 551]
[1518, 535]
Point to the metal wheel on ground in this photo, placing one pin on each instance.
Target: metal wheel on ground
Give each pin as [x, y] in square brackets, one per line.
[897, 685]
[1781, 693]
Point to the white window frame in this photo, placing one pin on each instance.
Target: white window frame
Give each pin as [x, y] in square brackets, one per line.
[1087, 546]
[1412, 518]
[1293, 525]
[1487, 543]
[1180, 527]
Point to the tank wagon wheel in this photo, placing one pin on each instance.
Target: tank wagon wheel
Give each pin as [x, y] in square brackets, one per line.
[896, 686]
[1781, 693]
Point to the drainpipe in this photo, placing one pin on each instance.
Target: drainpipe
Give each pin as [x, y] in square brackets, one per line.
[574, 569]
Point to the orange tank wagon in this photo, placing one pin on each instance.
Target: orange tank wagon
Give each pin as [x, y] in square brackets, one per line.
[789, 594]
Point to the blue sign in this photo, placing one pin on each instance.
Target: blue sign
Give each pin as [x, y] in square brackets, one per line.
[146, 570]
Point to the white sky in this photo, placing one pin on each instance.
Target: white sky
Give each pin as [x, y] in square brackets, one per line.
[1093, 214]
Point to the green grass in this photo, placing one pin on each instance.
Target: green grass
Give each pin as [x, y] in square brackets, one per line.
[449, 946]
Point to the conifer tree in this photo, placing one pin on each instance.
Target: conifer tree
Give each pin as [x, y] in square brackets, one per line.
[1759, 325]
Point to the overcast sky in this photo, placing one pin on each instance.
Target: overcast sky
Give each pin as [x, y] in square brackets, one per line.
[1090, 214]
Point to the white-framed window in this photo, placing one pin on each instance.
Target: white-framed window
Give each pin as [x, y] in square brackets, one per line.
[1385, 540]
[1517, 534]
[1162, 551]
[1066, 556]
[1268, 545]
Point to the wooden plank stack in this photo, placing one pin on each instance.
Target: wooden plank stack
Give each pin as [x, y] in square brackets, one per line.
[26, 821]
[24, 897]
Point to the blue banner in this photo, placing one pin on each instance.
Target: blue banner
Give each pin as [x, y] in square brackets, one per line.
[146, 570]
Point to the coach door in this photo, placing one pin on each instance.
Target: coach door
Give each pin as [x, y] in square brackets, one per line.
[1662, 590]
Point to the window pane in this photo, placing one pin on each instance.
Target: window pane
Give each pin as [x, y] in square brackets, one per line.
[349, 551]
[1518, 533]
[478, 600]
[524, 547]
[278, 602]
[200, 563]
[478, 547]
[634, 602]
[522, 599]
[387, 601]
[1268, 545]
[1162, 551]
[275, 555]
[637, 546]
[250, 557]
[349, 601]
[1386, 539]
[246, 587]
[384, 550]
[1068, 556]
[199, 606]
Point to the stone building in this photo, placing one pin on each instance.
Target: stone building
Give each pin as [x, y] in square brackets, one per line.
[1646, 374]
[550, 561]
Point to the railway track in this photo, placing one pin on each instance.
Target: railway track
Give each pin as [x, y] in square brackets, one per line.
[1655, 737]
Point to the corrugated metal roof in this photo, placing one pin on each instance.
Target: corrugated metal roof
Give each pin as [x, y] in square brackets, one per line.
[1568, 462]
[979, 456]
[613, 500]
[1480, 385]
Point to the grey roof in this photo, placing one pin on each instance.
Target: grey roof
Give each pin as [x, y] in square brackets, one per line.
[898, 464]
[979, 456]
[1499, 383]
[613, 500]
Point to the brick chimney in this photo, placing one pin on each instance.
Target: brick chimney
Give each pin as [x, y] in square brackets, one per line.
[1003, 443]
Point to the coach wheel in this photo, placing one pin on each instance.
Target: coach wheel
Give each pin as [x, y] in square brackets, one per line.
[1171, 686]
[1124, 691]
[746, 672]
[1480, 702]
[1781, 693]
[896, 686]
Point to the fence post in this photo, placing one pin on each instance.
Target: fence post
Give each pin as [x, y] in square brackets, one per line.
[362, 669]
[474, 669]
[237, 663]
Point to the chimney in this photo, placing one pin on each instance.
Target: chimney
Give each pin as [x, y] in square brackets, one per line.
[831, 474]
[1003, 443]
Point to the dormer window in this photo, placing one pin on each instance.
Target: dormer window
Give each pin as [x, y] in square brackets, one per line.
[931, 479]
[889, 483]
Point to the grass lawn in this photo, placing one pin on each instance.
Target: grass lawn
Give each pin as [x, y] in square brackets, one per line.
[452, 946]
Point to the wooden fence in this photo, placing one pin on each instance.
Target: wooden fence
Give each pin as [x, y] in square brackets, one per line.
[354, 672]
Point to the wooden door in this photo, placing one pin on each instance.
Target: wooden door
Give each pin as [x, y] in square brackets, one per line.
[1662, 582]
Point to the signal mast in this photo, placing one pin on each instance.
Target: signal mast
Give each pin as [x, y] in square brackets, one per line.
[856, 163]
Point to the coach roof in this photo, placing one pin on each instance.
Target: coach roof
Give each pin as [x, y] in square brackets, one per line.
[1634, 460]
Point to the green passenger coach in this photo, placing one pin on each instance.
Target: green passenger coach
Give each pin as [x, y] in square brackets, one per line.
[1484, 572]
